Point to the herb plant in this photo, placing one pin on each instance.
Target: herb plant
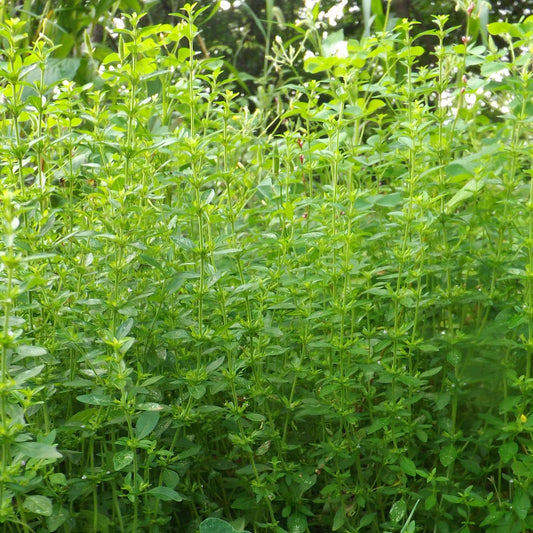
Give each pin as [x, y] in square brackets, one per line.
[308, 312]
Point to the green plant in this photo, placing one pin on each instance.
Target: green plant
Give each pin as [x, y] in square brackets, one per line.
[303, 318]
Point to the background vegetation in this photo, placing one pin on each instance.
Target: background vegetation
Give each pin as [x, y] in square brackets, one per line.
[299, 300]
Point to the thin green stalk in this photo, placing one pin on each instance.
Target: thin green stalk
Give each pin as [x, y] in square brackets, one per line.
[529, 283]
[9, 261]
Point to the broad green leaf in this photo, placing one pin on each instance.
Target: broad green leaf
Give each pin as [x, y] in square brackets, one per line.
[492, 67]
[447, 455]
[431, 372]
[409, 528]
[151, 406]
[146, 423]
[521, 504]
[442, 399]
[507, 451]
[58, 517]
[510, 403]
[166, 494]
[95, 399]
[297, 523]
[389, 200]
[170, 478]
[255, 417]
[407, 466]
[37, 504]
[499, 28]
[398, 510]
[421, 434]
[367, 519]
[197, 391]
[454, 357]
[332, 42]
[38, 450]
[374, 105]
[263, 448]
[472, 187]
[124, 329]
[406, 141]
[58, 478]
[377, 7]
[216, 525]
[211, 367]
[430, 501]
[176, 334]
[122, 459]
[24, 350]
[28, 374]
[320, 64]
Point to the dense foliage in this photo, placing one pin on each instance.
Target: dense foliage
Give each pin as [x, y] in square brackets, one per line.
[316, 316]
[241, 31]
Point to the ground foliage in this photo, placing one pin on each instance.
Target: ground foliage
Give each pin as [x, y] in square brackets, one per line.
[314, 317]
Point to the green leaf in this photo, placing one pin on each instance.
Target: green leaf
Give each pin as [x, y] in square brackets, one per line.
[320, 64]
[521, 504]
[447, 455]
[331, 43]
[339, 518]
[442, 399]
[28, 374]
[509, 404]
[454, 357]
[421, 434]
[406, 141]
[398, 510]
[407, 466]
[431, 372]
[367, 519]
[146, 423]
[58, 479]
[211, 367]
[170, 478]
[297, 523]
[95, 399]
[263, 448]
[374, 105]
[124, 329]
[430, 502]
[499, 28]
[197, 391]
[472, 187]
[56, 69]
[166, 494]
[492, 67]
[255, 417]
[58, 517]
[37, 504]
[122, 459]
[416, 51]
[30, 351]
[38, 450]
[216, 525]
[389, 200]
[507, 451]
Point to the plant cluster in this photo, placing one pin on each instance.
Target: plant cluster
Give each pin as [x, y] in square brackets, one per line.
[317, 316]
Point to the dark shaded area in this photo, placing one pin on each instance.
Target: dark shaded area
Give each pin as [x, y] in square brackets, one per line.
[238, 33]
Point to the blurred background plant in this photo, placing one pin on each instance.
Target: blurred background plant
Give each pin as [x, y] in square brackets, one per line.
[242, 31]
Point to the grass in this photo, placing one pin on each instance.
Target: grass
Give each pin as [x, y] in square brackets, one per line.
[309, 316]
